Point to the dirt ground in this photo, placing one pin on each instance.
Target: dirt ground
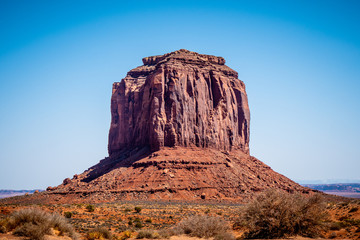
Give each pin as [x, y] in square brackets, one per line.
[344, 217]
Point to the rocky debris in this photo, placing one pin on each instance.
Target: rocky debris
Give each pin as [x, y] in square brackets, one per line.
[178, 174]
[203, 196]
[66, 181]
[180, 99]
[49, 188]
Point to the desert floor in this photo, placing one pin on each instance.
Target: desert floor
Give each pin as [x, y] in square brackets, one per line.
[344, 217]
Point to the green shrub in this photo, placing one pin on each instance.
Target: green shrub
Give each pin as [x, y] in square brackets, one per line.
[68, 214]
[137, 209]
[90, 208]
[36, 223]
[202, 227]
[148, 220]
[275, 214]
[99, 233]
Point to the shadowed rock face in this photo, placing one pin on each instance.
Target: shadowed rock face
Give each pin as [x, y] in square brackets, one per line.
[180, 99]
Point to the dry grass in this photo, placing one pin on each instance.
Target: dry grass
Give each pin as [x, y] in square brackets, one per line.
[36, 223]
[99, 233]
[126, 235]
[164, 216]
[203, 227]
[276, 214]
[148, 234]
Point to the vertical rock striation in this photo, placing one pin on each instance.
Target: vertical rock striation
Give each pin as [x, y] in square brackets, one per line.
[180, 99]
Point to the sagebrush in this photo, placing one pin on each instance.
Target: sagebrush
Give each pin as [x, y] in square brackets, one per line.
[99, 233]
[276, 214]
[203, 227]
[35, 224]
[148, 234]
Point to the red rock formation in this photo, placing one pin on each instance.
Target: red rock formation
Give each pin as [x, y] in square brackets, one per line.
[180, 99]
[179, 131]
[172, 173]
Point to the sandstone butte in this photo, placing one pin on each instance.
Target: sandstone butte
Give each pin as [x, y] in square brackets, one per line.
[179, 131]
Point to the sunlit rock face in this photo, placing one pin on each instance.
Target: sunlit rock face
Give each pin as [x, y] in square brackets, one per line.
[180, 99]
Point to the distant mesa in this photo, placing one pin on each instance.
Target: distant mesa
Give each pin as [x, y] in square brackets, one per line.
[180, 129]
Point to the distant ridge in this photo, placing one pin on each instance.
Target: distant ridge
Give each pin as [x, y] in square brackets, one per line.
[339, 189]
[326, 181]
[4, 193]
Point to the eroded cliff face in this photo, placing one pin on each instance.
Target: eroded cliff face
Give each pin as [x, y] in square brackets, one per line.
[191, 109]
[180, 99]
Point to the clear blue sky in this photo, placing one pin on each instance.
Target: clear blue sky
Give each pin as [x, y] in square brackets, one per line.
[300, 61]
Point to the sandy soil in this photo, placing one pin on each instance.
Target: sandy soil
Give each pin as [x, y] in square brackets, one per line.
[344, 216]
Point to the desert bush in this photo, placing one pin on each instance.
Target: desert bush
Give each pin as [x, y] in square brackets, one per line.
[352, 222]
[137, 209]
[138, 225]
[335, 226]
[68, 214]
[126, 235]
[276, 214]
[202, 226]
[36, 223]
[32, 231]
[148, 220]
[332, 235]
[90, 208]
[4, 225]
[3, 229]
[99, 233]
[121, 228]
[354, 209]
[148, 234]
